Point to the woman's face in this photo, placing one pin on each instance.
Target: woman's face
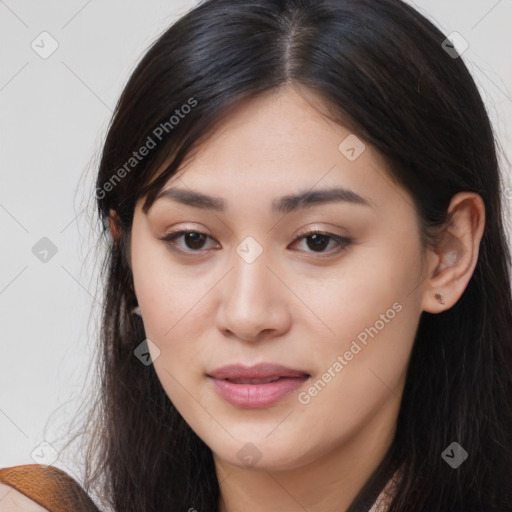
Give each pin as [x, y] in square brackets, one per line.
[333, 319]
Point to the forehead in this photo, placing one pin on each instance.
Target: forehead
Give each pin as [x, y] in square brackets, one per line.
[283, 130]
[278, 148]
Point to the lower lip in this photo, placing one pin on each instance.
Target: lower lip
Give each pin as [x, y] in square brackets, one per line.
[257, 396]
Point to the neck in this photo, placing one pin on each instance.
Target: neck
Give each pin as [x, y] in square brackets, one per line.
[330, 481]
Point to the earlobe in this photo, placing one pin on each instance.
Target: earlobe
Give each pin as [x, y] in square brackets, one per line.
[440, 298]
[456, 254]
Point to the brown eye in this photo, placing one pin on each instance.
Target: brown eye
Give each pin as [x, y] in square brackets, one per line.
[193, 241]
[318, 241]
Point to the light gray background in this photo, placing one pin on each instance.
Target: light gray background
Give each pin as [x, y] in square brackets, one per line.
[54, 115]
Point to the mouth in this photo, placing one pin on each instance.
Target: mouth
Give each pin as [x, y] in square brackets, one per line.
[259, 372]
[257, 386]
[256, 381]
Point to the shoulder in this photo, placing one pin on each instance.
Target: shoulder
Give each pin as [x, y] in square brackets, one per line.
[386, 495]
[12, 500]
[38, 488]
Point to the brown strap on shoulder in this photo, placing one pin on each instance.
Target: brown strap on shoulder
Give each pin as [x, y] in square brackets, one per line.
[49, 487]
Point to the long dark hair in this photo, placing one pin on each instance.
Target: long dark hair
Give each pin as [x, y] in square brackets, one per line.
[382, 69]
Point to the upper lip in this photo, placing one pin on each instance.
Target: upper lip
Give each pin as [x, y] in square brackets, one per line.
[259, 371]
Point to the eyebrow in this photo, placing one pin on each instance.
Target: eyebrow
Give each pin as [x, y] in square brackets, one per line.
[282, 205]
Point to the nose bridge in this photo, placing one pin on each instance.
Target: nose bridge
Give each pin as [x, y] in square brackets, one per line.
[251, 303]
[250, 276]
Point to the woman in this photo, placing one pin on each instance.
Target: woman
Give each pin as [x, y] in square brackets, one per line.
[307, 301]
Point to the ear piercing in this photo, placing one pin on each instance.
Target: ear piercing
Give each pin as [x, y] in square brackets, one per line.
[440, 298]
[136, 311]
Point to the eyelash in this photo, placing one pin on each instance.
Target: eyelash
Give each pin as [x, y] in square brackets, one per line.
[343, 242]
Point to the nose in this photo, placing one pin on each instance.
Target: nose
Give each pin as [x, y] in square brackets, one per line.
[253, 305]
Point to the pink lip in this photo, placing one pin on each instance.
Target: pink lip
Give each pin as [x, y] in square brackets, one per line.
[256, 395]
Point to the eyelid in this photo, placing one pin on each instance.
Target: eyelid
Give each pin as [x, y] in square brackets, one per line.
[304, 233]
[342, 241]
[177, 233]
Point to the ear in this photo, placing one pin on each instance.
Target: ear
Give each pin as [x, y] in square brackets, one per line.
[115, 225]
[453, 260]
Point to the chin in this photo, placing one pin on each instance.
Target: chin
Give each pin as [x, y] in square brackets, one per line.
[266, 454]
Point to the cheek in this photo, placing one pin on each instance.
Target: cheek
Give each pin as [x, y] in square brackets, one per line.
[174, 314]
[358, 379]
[374, 317]
[366, 290]
[168, 294]
[177, 312]
[175, 317]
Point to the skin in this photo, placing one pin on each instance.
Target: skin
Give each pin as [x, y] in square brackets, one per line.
[11, 500]
[294, 305]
